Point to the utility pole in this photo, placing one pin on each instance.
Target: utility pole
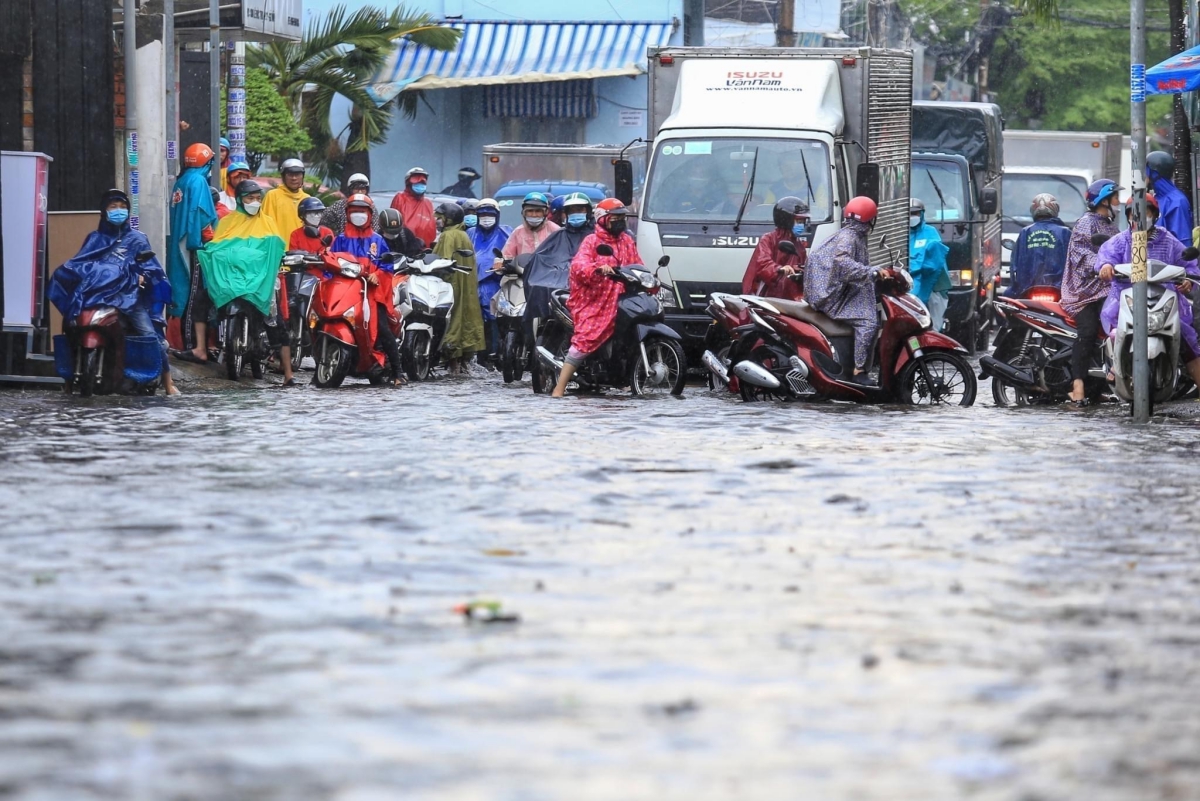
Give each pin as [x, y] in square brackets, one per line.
[214, 71]
[171, 78]
[1137, 97]
[693, 23]
[785, 33]
[129, 24]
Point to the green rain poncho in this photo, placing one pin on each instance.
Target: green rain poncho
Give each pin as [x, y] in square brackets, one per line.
[464, 334]
[243, 259]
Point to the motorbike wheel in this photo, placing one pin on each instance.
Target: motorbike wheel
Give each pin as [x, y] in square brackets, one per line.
[668, 369]
[333, 363]
[297, 347]
[938, 378]
[235, 347]
[511, 358]
[90, 362]
[415, 355]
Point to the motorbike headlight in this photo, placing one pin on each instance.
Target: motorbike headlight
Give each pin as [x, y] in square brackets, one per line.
[647, 280]
[1156, 320]
[349, 315]
[350, 269]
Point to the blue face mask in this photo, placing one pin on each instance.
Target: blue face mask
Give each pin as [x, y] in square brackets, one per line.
[576, 220]
[118, 216]
[798, 229]
[418, 189]
[471, 220]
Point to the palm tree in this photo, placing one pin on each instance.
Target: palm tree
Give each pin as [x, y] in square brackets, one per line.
[337, 57]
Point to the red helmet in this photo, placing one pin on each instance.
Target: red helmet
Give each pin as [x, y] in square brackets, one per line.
[197, 155]
[862, 209]
[609, 210]
[1151, 203]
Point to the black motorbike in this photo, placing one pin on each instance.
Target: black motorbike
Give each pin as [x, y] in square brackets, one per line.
[508, 307]
[643, 354]
[300, 282]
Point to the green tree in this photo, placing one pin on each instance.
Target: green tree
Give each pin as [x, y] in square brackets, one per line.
[271, 130]
[337, 57]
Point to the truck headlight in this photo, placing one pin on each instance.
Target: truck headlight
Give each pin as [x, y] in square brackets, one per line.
[962, 277]
[666, 296]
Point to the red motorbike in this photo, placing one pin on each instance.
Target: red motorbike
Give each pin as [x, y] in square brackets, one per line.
[94, 355]
[795, 351]
[343, 322]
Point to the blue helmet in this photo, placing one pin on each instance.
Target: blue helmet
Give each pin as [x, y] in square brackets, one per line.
[536, 200]
[225, 143]
[310, 205]
[556, 205]
[1100, 191]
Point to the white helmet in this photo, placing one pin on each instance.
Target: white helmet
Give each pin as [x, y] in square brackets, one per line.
[358, 178]
[291, 165]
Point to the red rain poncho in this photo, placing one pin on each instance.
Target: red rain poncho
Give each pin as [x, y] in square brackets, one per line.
[593, 301]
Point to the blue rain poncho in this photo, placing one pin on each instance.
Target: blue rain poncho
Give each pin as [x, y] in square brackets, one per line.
[489, 282]
[192, 211]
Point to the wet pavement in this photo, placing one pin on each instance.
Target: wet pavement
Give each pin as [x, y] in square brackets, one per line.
[249, 595]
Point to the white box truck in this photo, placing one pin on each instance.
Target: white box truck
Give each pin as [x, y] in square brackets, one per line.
[736, 128]
[1062, 163]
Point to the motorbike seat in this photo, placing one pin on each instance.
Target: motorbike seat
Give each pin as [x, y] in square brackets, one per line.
[1049, 307]
[800, 310]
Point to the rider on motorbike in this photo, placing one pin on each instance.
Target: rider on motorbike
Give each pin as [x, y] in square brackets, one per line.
[594, 296]
[927, 264]
[840, 283]
[464, 331]
[242, 261]
[487, 236]
[770, 271]
[1040, 253]
[1161, 245]
[105, 273]
[1083, 292]
[399, 238]
[1176, 208]
[310, 236]
[360, 239]
[535, 229]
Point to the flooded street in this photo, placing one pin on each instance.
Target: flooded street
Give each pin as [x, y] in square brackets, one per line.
[249, 595]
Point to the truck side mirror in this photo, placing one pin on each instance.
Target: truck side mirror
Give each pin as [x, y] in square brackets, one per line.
[866, 181]
[623, 180]
[1008, 244]
[989, 200]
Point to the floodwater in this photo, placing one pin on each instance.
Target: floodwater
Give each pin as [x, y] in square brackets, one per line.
[249, 595]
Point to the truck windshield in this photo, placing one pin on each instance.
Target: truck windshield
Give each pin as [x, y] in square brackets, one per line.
[1020, 188]
[940, 186]
[705, 180]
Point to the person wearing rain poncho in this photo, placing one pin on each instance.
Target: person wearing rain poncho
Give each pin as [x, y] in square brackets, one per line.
[487, 235]
[242, 261]
[105, 272]
[1175, 207]
[464, 333]
[550, 267]
[192, 215]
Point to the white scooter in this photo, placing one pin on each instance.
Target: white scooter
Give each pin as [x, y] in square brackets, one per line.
[1163, 331]
[508, 307]
[425, 301]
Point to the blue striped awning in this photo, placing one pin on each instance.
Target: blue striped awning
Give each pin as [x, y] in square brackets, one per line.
[522, 52]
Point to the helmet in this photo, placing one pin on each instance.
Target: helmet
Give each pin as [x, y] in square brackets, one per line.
[237, 166]
[111, 195]
[1100, 191]
[413, 173]
[358, 178]
[360, 199]
[1160, 162]
[391, 222]
[860, 208]
[197, 155]
[535, 200]
[488, 206]
[469, 206]
[916, 205]
[310, 205]
[608, 210]
[291, 165]
[452, 212]
[556, 205]
[225, 143]
[786, 210]
[1044, 206]
[1151, 203]
[577, 199]
[248, 187]
[468, 172]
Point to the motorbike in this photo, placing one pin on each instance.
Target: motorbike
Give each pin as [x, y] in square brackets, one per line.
[302, 273]
[95, 356]
[508, 307]
[642, 354]
[425, 302]
[243, 334]
[796, 352]
[1163, 330]
[343, 323]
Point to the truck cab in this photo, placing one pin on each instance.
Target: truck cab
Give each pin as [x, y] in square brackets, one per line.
[1021, 184]
[957, 172]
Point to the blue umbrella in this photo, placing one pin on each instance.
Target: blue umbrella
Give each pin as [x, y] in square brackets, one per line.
[1178, 74]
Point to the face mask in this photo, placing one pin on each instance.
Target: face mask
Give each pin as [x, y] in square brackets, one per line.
[534, 222]
[914, 221]
[252, 208]
[359, 218]
[313, 220]
[798, 229]
[118, 216]
[617, 227]
[487, 222]
[576, 220]
[418, 189]
[470, 221]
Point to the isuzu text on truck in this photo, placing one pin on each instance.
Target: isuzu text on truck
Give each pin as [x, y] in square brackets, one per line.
[737, 128]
